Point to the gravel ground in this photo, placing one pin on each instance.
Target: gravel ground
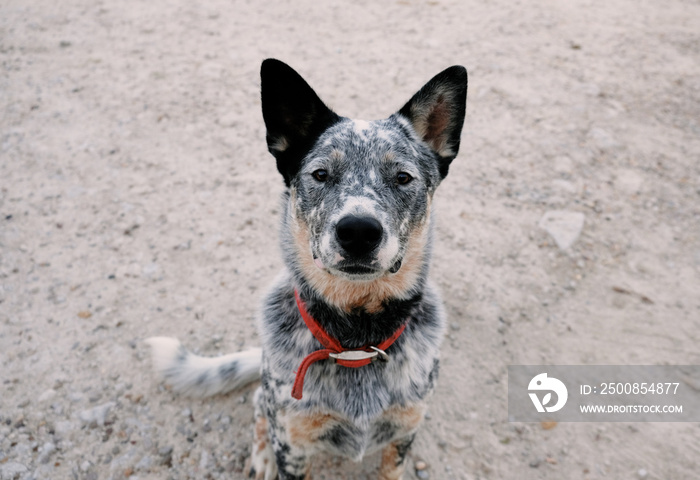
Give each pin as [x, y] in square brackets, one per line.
[137, 198]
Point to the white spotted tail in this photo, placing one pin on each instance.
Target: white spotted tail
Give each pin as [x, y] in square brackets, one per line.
[198, 376]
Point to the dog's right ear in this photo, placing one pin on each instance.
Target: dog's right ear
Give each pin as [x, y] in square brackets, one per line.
[294, 115]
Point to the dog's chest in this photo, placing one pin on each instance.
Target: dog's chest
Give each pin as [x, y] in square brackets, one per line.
[334, 433]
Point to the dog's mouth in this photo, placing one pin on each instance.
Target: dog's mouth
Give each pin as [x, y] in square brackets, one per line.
[356, 269]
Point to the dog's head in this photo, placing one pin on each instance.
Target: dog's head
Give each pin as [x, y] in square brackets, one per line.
[360, 192]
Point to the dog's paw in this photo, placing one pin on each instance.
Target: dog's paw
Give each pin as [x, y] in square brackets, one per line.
[264, 466]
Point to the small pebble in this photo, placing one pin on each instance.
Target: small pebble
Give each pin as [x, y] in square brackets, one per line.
[95, 397]
[97, 415]
[47, 395]
[46, 452]
[165, 451]
[145, 463]
[642, 473]
[423, 474]
[421, 465]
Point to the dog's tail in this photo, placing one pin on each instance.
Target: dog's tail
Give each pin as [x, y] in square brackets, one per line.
[198, 376]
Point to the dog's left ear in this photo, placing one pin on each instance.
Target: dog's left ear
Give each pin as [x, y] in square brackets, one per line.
[437, 113]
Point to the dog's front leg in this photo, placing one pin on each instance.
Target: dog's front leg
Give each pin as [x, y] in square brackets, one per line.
[293, 463]
[394, 458]
[263, 464]
[289, 465]
[272, 457]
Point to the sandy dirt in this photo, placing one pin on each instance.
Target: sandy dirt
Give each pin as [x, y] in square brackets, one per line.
[137, 198]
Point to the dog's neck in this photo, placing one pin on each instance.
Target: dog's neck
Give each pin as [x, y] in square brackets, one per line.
[359, 327]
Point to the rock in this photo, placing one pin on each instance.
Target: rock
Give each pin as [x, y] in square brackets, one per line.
[12, 470]
[96, 415]
[45, 453]
[166, 451]
[563, 226]
[43, 472]
[124, 462]
[421, 465]
[204, 461]
[145, 463]
[166, 455]
[151, 270]
[47, 395]
[64, 429]
[422, 474]
[642, 473]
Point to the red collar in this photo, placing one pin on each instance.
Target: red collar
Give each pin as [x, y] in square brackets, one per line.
[353, 358]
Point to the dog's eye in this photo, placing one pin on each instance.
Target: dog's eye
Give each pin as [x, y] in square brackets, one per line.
[403, 178]
[321, 175]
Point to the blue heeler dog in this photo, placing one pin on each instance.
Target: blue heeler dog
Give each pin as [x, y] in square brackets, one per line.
[351, 330]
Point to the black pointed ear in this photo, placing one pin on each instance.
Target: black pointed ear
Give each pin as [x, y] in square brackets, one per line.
[437, 113]
[294, 115]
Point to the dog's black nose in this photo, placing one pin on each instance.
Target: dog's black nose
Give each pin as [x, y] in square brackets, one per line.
[359, 235]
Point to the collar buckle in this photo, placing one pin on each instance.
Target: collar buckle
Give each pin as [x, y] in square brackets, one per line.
[382, 355]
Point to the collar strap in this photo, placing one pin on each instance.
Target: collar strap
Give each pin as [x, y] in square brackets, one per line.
[352, 358]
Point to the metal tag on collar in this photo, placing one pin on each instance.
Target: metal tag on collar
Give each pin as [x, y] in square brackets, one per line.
[354, 355]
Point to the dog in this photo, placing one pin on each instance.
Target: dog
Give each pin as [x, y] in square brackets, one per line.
[352, 328]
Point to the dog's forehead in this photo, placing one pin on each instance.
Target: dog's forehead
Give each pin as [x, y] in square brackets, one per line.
[366, 141]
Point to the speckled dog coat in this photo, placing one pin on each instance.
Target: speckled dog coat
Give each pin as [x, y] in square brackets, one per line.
[356, 236]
